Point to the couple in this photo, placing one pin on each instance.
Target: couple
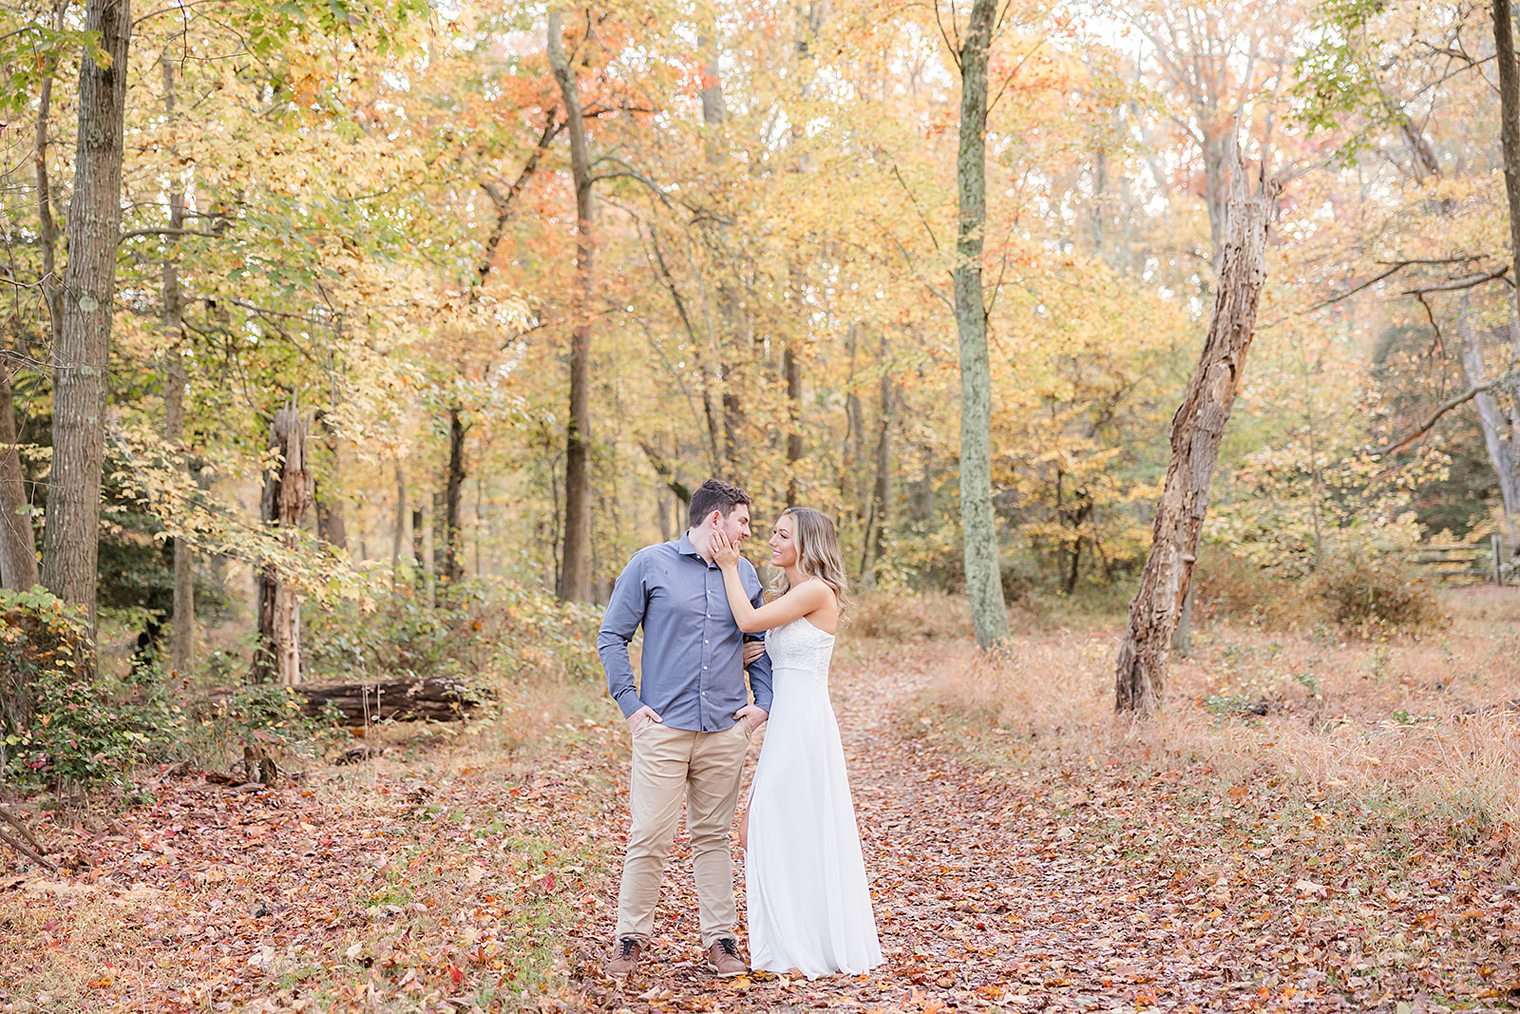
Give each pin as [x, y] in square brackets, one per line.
[691, 721]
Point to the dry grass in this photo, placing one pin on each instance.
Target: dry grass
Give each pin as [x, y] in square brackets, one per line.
[1432, 724]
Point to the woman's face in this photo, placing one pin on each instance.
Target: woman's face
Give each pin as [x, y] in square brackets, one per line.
[783, 549]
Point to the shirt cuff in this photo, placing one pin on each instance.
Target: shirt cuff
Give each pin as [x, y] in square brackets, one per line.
[629, 702]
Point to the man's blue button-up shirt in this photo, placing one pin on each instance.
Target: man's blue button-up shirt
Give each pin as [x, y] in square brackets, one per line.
[693, 660]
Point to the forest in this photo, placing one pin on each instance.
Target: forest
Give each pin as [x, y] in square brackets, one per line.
[1158, 364]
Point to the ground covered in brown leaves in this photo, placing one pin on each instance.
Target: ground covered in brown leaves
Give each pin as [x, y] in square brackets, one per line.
[453, 878]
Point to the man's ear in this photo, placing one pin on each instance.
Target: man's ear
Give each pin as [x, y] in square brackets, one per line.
[715, 518]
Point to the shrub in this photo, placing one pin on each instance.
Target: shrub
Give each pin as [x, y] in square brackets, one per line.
[479, 628]
[900, 615]
[1228, 586]
[1368, 595]
[64, 727]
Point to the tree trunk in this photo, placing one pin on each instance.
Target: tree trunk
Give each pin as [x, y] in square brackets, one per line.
[453, 570]
[18, 550]
[881, 489]
[175, 379]
[1509, 129]
[419, 551]
[18, 539]
[70, 544]
[47, 229]
[984, 583]
[1509, 133]
[1498, 438]
[575, 568]
[287, 494]
[1197, 430]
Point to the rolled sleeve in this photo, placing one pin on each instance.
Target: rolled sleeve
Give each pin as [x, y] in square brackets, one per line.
[625, 612]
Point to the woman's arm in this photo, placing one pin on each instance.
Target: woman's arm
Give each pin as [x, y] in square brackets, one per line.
[796, 603]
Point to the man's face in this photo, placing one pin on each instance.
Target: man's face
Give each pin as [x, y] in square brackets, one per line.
[736, 525]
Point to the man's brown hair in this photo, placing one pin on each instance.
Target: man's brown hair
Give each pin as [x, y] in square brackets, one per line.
[716, 495]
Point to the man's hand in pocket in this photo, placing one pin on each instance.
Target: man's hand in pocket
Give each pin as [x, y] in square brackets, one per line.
[639, 717]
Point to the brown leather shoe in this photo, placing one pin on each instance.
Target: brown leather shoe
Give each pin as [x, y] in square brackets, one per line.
[625, 957]
[723, 959]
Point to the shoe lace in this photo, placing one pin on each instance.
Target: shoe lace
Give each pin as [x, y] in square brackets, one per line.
[728, 947]
[626, 947]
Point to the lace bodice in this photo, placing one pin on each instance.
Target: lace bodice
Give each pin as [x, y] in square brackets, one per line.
[800, 645]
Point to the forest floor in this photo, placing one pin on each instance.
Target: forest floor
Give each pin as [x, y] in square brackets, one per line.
[1272, 843]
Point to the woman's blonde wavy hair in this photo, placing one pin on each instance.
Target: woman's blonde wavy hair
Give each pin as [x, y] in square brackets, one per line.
[817, 551]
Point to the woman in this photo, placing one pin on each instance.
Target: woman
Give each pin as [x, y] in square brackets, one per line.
[809, 905]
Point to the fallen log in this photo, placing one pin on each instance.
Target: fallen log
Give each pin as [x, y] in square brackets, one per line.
[434, 699]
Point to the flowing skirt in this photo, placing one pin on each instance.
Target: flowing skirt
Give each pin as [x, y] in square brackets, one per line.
[808, 902]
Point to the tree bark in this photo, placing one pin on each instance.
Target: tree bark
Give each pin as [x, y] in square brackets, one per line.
[575, 567]
[1499, 437]
[873, 544]
[70, 545]
[984, 583]
[287, 494]
[18, 550]
[453, 570]
[47, 234]
[1509, 129]
[183, 647]
[331, 527]
[1197, 430]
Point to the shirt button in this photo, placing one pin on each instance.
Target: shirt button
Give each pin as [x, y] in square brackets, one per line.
[704, 640]
[704, 668]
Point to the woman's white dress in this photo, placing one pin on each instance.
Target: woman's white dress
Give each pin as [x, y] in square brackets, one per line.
[809, 905]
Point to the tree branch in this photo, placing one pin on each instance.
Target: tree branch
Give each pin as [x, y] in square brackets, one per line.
[1456, 401]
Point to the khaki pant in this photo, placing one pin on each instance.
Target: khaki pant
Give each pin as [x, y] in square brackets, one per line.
[706, 767]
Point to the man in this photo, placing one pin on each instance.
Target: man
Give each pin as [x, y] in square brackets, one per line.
[690, 719]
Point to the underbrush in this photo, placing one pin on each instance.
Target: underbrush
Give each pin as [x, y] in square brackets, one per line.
[526, 655]
[68, 726]
[1429, 724]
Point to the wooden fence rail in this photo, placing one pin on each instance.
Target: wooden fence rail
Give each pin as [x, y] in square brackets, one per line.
[1471, 563]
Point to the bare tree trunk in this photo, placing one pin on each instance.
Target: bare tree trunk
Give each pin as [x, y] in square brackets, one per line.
[18, 551]
[984, 583]
[575, 569]
[881, 489]
[52, 290]
[287, 494]
[175, 379]
[70, 544]
[18, 539]
[453, 570]
[792, 367]
[1498, 438]
[1509, 133]
[1509, 128]
[1197, 430]
[419, 554]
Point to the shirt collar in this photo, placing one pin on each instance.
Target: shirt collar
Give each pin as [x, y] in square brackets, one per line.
[683, 545]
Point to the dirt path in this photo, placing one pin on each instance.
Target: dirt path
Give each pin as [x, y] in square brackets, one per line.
[1085, 890]
[458, 879]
